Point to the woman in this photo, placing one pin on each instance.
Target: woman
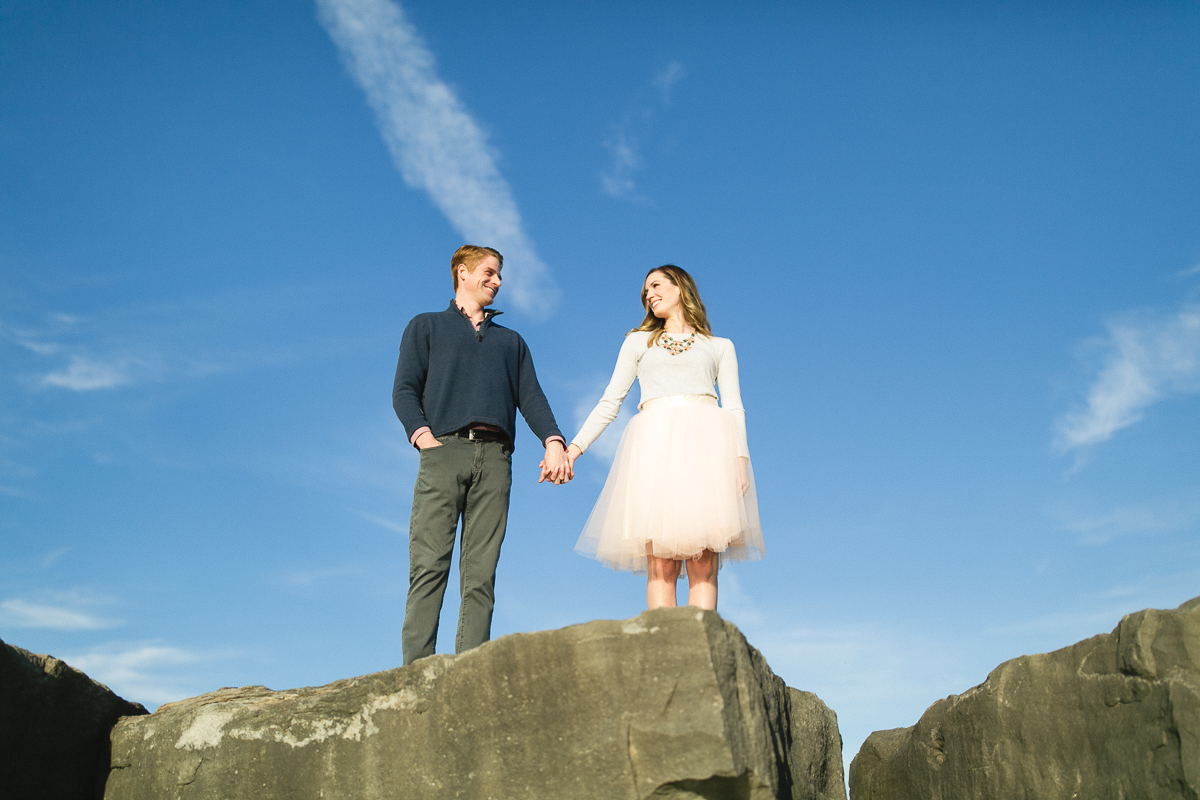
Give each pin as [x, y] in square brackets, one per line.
[680, 488]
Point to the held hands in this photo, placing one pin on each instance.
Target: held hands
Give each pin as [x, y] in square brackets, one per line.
[573, 452]
[556, 466]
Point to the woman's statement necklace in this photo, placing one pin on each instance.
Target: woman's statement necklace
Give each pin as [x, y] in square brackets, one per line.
[676, 346]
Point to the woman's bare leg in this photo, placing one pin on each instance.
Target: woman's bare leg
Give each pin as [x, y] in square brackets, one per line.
[702, 580]
[662, 573]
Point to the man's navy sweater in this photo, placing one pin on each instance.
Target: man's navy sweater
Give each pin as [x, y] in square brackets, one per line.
[449, 376]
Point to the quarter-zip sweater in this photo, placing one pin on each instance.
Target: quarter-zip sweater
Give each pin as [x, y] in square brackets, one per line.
[450, 375]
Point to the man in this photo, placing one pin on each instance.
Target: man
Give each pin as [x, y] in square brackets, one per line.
[459, 382]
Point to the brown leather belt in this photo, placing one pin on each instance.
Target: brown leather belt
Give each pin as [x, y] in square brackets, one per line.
[480, 435]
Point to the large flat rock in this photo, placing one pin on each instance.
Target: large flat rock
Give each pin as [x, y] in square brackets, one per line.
[54, 726]
[671, 704]
[1114, 716]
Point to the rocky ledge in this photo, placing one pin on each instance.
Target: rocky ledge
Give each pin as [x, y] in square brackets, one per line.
[1115, 716]
[54, 725]
[671, 704]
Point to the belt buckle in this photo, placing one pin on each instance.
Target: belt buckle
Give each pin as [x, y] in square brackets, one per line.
[471, 434]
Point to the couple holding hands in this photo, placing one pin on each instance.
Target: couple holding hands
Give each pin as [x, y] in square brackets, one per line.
[680, 492]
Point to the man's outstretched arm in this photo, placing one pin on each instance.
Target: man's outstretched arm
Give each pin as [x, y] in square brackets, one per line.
[531, 400]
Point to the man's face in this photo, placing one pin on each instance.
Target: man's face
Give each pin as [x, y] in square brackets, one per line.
[482, 283]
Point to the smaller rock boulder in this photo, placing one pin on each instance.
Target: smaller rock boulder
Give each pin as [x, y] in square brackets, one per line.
[54, 727]
[1114, 716]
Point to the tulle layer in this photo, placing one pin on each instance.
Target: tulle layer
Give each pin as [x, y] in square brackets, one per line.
[674, 491]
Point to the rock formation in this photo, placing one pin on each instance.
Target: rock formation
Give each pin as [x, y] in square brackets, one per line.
[1114, 716]
[54, 726]
[671, 704]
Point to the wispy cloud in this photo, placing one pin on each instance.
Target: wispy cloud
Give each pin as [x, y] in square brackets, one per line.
[18, 613]
[665, 80]
[1190, 272]
[146, 672]
[1072, 625]
[1134, 519]
[83, 374]
[624, 140]
[92, 358]
[40, 348]
[310, 577]
[52, 558]
[618, 180]
[355, 462]
[388, 524]
[434, 142]
[1147, 358]
[115, 362]
[147, 342]
[73, 377]
[737, 604]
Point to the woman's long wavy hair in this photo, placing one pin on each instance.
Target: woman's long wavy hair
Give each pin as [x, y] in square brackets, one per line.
[693, 307]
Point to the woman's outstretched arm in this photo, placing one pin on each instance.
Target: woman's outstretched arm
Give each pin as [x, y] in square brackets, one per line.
[610, 404]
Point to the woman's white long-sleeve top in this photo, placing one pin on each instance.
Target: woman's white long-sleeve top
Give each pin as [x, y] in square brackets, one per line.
[711, 360]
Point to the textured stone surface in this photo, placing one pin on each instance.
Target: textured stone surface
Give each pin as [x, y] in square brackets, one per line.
[1114, 716]
[54, 725]
[671, 704]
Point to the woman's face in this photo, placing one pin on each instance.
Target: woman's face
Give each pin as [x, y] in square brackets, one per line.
[661, 295]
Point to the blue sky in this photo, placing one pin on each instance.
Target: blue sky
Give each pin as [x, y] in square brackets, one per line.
[957, 247]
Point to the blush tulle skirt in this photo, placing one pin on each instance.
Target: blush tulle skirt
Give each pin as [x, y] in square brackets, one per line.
[675, 490]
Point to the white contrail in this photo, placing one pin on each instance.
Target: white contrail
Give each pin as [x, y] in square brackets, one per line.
[1148, 360]
[434, 142]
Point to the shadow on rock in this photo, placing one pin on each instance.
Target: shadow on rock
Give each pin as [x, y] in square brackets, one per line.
[54, 727]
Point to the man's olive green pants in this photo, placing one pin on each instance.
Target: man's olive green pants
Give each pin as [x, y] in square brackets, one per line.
[461, 479]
